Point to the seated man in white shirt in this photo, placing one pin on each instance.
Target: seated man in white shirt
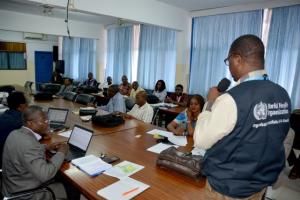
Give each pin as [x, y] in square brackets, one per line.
[141, 110]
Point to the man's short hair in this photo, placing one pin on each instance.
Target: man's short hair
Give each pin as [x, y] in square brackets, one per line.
[179, 85]
[15, 99]
[30, 112]
[248, 46]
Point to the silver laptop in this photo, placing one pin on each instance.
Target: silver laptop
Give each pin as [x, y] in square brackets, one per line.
[57, 118]
[79, 142]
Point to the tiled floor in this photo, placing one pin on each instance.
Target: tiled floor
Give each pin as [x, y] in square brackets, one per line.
[290, 189]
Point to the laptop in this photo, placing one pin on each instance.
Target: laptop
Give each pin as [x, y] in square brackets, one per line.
[79, 142]
[57, 118]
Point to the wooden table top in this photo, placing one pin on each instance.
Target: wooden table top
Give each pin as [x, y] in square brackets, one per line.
[173, 111]
[75, 119]
[123, 142]
[164, 184]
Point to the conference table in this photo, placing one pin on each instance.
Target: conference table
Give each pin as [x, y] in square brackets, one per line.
[128, 141]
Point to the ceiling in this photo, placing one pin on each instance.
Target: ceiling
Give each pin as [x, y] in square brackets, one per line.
[196, 5]
[38, 9]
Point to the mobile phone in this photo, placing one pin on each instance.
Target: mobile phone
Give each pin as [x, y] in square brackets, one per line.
[111, 159]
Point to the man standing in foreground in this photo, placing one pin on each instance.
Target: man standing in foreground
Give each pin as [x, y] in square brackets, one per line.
[243, 130]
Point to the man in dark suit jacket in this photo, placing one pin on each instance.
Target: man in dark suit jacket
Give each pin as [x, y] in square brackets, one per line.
[24, 161]
[11, 119]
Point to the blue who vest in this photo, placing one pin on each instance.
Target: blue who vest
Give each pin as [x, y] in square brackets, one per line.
[252, 155]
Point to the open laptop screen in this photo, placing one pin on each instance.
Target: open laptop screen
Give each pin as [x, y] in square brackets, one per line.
[80, 137]
[57, 115]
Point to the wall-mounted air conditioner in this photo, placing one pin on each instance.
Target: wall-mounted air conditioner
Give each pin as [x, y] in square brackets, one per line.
[33, 36]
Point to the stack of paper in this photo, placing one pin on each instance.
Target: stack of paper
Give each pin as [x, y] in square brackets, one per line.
[123, 169]
[123, 189]
[158, 148]
[91, 165]
[65, 133]
[177, 140]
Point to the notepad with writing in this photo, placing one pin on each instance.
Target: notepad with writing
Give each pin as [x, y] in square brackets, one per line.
[91, 165]
[123, 189]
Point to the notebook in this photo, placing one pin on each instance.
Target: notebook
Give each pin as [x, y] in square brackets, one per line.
[79, 141]
[57, 118]
[91, 164]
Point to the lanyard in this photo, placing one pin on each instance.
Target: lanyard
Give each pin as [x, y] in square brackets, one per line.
[255, 78]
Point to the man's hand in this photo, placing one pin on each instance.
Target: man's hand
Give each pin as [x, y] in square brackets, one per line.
[54, 146]
[64, 148]
[179, 131]
[213, 94]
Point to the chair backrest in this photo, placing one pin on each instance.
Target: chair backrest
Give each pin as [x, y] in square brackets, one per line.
[51, 88]
[84, 99]
[149, 92]
[7, 88]
[28, 86]
[69, 96]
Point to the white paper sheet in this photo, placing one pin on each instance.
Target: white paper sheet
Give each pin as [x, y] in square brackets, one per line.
[177, 140]
[123, 169]
[198, 151]
[65, 133]
[123, 189]
[159, 147]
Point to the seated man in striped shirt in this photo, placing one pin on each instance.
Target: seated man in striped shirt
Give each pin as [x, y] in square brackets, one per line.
[141, 110]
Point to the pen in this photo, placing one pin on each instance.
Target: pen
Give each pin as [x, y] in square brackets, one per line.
[130, 191]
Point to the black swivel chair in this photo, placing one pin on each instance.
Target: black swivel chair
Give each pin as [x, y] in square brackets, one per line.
[84, 99]
[70, 96]
[27, 193]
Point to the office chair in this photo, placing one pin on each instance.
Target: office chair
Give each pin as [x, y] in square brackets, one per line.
[50, 88]
[27, 86]
[26, 193]
[84, 99]
[70, 96]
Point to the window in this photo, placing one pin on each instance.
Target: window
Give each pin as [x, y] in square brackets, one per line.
[12, 56]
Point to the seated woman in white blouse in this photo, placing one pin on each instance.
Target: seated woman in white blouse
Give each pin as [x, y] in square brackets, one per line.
[160, 90]
[185, 122]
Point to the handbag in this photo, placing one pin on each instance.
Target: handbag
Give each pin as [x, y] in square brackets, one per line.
[184, 163]
[85, 112]
[109, 120]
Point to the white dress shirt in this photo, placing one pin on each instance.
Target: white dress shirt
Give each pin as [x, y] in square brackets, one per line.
[213, 125]
[144, 113]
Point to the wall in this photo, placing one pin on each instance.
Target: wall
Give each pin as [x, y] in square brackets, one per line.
[145, 11]
[21, 76]
[12, 30]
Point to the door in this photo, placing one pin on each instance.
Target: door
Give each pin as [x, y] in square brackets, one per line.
[43, 67]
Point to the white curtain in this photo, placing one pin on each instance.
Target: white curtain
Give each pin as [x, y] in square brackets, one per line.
[79, 55]
[157, 56]
[283, 51]
[119, 52]
[211, 40]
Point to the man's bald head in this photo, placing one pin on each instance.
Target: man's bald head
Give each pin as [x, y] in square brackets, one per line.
[141, 98]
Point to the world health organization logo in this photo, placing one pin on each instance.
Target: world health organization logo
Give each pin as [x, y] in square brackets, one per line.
[260, 111]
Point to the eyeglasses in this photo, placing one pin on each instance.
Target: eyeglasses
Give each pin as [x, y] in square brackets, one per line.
[226, 60]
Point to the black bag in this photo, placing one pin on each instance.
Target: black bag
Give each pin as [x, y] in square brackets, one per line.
[185, 163]
[43, 96]
[109, 120]
[85, 112]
